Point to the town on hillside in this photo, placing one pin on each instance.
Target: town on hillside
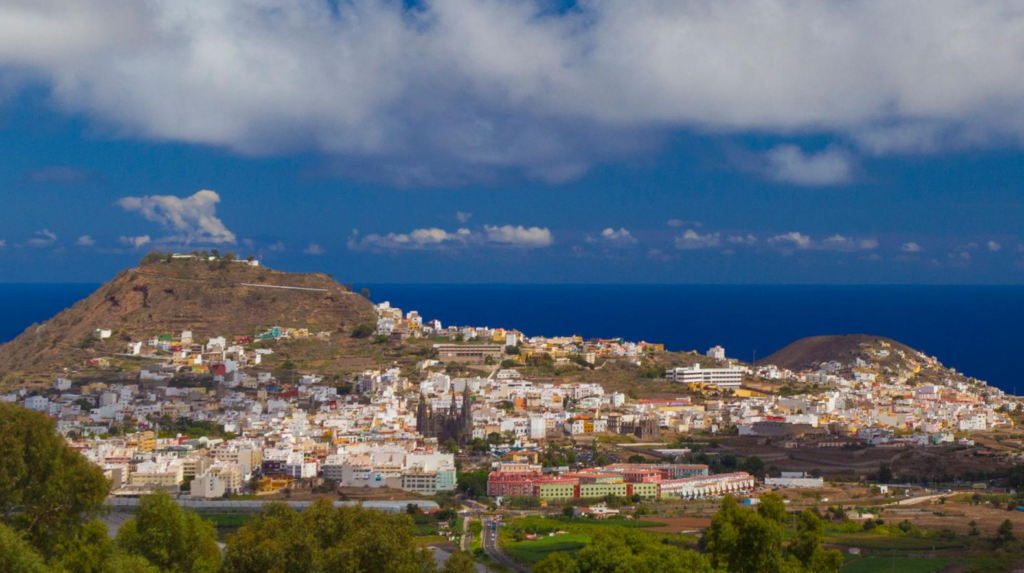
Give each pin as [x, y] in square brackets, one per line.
[502, 420]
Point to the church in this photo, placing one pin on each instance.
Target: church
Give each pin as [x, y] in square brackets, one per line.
[443, 425]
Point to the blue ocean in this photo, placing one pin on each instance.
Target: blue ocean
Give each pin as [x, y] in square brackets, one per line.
[977, 329]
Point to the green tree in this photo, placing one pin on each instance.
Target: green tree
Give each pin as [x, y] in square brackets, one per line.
[90, 551]
[742, 541]
[753, 464]
[451, 446]
[556, 563]
[637, 459]
[277, 540]
[362, 330]
[473, 484]
[47, 490]
[459, 562]
[568, 511]
[806, 546]
[772, 507]
[326, 538]
[17, 555]
[1005, 532]
[170, 537]
[885, 474]
[612, 552]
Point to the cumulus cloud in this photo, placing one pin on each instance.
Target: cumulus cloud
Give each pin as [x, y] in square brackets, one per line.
[747, 240]
[993, 246]
[85, 241]
[911, 247]
[436, 239]
[519, 236]
[3, 243]
[314, 249]
[462, 216]
[789, 164]
[691, 240]
[189, 219]
[136, 242]
[618, 238]
[453, 88]
[417, 239]
[277, 246]
[841, 243]
[43, 238]
[791, 240]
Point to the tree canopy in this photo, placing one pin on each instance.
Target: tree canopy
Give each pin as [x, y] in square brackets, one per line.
[47, 490]
[326, 538]
[170, 537]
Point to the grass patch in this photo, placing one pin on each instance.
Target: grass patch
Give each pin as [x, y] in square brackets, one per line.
[533, 551]
[879, 564]
[881, 542]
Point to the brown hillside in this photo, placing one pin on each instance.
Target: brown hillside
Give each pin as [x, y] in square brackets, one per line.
[208, 298]
[810, 352]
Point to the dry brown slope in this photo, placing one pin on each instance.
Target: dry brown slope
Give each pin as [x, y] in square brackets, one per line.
[206, 298]
[811, 351]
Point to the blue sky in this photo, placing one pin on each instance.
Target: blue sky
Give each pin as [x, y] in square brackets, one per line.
[476, 141]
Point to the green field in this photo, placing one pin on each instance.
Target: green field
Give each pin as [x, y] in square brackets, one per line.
[883, 542]
[533, 551]
[881, 564]
[227, 523]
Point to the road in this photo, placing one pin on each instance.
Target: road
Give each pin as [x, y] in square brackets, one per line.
[490, 544]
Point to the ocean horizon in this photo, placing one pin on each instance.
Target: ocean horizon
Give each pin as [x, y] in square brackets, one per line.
[979, 330]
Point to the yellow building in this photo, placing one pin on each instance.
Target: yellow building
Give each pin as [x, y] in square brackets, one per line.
[646, 490]
[555, 491]
[588, 490]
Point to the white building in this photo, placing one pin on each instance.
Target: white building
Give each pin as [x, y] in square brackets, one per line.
[729, 378]
[716, 353]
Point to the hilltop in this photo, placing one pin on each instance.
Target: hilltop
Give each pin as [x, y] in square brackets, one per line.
[211, 298]
[881, 354]
[808, 353]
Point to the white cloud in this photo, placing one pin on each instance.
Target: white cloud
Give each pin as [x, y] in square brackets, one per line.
[791, 240]
[742, 239]
[462, 216]
[911, 247]
[693, 240]
[189, 219]
[416, 239]
[519, 236]
[3, 243]
[618, 238]
[276, 247]
[314, 249]
[789, 164]
[43, 238]
[434, 238]
[453, 88]
[993, 246]
[841, 243]
[85, 241]
[136, 242]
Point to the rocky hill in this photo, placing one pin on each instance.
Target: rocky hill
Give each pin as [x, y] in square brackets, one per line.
[209, 298]
[883, 355]
[809, 352]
